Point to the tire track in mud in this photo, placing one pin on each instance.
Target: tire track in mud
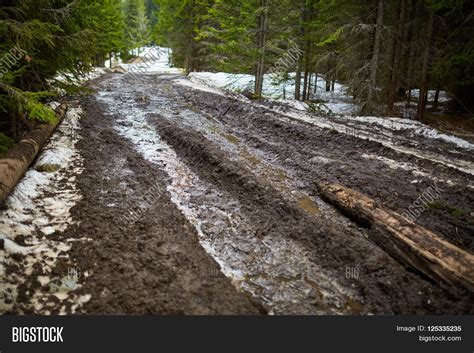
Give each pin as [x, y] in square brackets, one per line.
[155, 264]
[274, 269]
[229, 201]
[333, 249]
[349, 160]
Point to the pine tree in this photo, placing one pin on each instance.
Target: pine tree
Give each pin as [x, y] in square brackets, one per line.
[137, 24]
[39, 39]
[180, 27]
[44, 38]
[112, 28]
[453, 65]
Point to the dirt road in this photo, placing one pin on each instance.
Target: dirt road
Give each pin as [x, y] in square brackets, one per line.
[199, 202]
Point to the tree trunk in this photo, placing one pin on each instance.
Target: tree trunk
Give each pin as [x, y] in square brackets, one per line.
[306, 72]
[188, 57]
[307, 80]
[305, 86]
[300, 61]
[327, 78]
[436, 100]
[371, 99]
[397, 49]
[406, 241]
[310, 84]
[414, 37]
[16, 161]
[190, 39]
[262, 41]
[426, 66]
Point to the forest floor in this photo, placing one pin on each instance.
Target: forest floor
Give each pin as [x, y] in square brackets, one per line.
[195, 201]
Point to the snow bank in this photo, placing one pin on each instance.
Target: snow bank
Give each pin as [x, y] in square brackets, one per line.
[28, 208]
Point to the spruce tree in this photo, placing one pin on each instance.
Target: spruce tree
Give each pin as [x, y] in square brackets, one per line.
[137, 24]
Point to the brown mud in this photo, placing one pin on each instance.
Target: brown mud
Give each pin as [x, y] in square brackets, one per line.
[257, 170]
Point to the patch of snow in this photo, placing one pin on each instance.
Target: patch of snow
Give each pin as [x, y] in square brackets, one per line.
[154, 60]
[415, 127]
[335, 102]
[283, 91]
[114, 61]
[293, 104]
[417, 172]
[443, 96]
[387, 141]
[340, 108]
[40, 206]
[93, 74]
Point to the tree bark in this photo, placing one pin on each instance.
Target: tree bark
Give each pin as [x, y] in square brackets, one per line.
[16, 161]
[310, 12]
[374, 66]
[306, 71]
[406, 241]
[415, 35]
[423, 98]
[190, 65]
[262, 41]
[436, 100]
[327, 77]
[397, 49]
[299, 68]
[310, 84]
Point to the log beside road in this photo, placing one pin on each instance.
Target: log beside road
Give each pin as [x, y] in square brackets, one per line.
[17, 160]
[403, 239]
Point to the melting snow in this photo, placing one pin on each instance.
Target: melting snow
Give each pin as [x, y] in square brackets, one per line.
[40, 206]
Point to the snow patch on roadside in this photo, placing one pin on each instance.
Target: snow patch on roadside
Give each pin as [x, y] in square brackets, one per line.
[40, 206]
[418, 128]
[325, 123]
[91, 75]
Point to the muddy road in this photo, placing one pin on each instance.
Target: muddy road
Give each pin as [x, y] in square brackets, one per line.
[193, 201]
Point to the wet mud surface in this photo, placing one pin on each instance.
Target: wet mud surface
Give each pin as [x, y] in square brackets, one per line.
[195, 202]
[155, 265]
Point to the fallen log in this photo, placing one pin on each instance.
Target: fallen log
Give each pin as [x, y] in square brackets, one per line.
[403, 239]
[16, 161]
